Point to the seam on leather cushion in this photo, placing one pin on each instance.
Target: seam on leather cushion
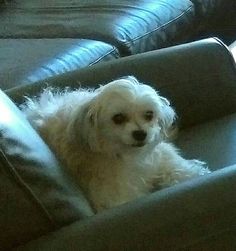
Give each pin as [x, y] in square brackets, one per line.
[113, 52]
[163, 25]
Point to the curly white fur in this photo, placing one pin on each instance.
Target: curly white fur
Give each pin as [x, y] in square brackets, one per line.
[112, 139]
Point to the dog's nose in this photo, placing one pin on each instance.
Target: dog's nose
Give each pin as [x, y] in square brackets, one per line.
[139, 135]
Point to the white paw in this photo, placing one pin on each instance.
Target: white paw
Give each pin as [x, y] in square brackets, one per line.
[199, 166]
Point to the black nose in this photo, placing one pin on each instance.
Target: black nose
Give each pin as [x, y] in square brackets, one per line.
[139, 135]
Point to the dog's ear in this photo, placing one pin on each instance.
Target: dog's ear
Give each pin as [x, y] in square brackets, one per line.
[92, 114]
[167, 116]
[83, 126]
[90, 125]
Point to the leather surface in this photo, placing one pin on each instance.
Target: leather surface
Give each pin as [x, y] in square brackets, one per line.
[216, 18]
[207, 7]
[36, 196]
[197, 215]
[21, 220]
[131, 26]
[26, 61]
[213, 142]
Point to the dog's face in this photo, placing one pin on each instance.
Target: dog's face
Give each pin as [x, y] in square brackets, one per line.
[126, 114]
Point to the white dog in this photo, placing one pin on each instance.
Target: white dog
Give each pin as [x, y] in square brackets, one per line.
[112, 139]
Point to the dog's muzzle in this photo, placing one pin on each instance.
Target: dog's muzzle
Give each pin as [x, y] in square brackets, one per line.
[139, 136]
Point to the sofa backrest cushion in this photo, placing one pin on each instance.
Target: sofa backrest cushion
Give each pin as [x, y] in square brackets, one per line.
[131, 26]
[36, 195]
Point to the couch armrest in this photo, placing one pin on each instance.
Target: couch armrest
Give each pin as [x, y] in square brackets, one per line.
[195, 215]
[199, 78]
[36, 194]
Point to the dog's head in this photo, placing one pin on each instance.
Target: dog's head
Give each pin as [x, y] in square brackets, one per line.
[126, 114]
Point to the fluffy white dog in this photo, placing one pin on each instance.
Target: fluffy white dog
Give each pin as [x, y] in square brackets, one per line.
[112, 139]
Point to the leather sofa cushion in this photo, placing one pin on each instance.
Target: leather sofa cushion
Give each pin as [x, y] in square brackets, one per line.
[36, 195]
[196, 215]
[131, 26]
[214, 142]
[25, 61]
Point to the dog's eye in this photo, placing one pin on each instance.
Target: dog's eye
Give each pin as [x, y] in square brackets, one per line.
[148, 115]
[119, 118]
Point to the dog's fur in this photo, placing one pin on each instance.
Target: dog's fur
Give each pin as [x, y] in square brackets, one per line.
[112, 139]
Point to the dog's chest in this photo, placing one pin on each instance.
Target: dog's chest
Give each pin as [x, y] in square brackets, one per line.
[110, 181]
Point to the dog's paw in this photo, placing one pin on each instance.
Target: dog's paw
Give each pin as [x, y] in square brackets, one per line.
[199, 167]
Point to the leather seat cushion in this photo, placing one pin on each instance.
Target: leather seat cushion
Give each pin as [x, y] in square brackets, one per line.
[131, 26]
[36, 195]
[25, 61]
[214, 142]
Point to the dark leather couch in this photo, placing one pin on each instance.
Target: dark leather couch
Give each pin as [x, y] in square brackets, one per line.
[40, 39]
[60, 43]
[42, 208]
